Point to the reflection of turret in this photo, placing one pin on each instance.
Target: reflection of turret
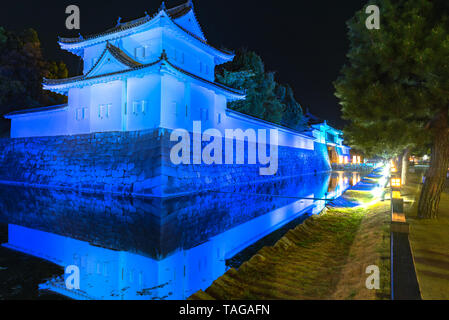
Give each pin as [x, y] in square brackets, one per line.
[151, 227]
[151, 248]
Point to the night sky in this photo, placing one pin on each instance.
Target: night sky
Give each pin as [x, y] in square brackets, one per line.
[304, 42]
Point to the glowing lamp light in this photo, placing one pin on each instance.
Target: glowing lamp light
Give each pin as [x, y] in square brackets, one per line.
[396, 182]
[394, 170]
[396, 195]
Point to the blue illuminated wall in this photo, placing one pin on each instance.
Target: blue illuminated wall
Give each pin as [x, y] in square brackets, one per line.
[134, 163]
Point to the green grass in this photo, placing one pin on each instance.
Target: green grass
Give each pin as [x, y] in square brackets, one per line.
[323, 258]
[361, 197]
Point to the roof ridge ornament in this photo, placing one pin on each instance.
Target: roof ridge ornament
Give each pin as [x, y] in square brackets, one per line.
[119, 21]
[163, 7]
[164, 55]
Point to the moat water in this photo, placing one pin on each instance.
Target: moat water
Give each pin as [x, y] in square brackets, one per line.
[140, 248]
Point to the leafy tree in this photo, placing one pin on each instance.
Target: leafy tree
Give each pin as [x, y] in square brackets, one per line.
[22, 67]
[266, 99]
[292, 113]
[394, 89]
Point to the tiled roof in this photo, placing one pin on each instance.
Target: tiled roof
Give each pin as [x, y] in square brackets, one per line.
[86, 77]
[118, 54]
[118, 28]
[122, 56]
[174, 13]
[163, 58]
[216, 84]
[36, 110]
[312, 119]
[180, 11]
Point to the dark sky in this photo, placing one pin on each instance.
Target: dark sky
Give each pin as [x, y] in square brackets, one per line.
[304, 42]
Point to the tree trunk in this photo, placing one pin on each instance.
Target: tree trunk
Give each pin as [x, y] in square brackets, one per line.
[436, 175]
[404, 167]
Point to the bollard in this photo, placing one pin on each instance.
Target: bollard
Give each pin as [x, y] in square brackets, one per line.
[404, 284]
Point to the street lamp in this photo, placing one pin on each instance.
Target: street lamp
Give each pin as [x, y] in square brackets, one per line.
[396, 183]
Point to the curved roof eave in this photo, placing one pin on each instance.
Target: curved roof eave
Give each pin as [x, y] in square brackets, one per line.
[62, 85]
[41, 110]
[76, 44]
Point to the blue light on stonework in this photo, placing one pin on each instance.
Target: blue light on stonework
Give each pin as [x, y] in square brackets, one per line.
[135, 249]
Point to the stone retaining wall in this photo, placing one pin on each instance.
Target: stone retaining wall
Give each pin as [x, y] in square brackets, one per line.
[134, 163]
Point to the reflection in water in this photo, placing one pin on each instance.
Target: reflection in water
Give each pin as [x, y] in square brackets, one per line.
[138, 248]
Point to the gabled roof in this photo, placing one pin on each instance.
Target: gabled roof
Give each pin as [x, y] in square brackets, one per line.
[184, 17]
[312, 119]
[175, 15]
[325, 126]
[124, 61]
[59, 84]
[122, 56]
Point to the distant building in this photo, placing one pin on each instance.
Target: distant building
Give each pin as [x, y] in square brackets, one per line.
[333, 138]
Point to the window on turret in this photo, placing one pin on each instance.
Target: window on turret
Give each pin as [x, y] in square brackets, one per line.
[79, 114]
[204, 114]
[136, 108]
[174, 109]
[147, 52]
[144, 106]
[140, 280]
[104, 111]
[139, 52]
[178, 56]
[106, 269]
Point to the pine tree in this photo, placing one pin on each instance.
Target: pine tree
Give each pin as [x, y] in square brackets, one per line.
[292, 113]
[22, 68]
[265, 98]
[395, 88]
